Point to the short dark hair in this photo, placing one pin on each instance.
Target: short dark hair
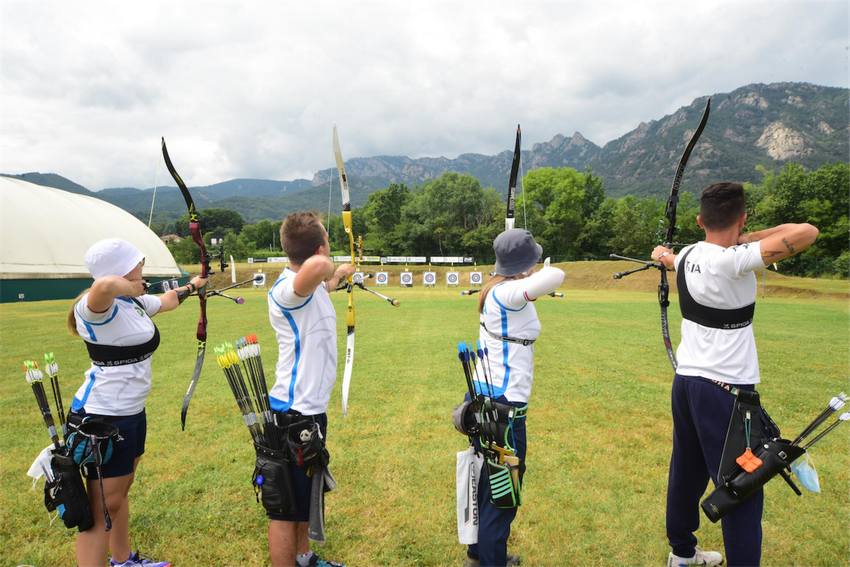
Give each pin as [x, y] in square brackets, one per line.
[301, 234]
[721, 205]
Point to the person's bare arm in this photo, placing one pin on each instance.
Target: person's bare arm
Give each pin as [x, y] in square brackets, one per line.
[104, 291]
[172, 298]
[782, 241]
[342, 272]
[311, 274]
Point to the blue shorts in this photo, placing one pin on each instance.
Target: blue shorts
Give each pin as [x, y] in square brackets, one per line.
[302, 485]
[132, 430]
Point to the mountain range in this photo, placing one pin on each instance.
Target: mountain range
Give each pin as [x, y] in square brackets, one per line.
[758, 124]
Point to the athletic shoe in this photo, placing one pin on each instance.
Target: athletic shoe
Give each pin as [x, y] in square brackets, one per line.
[316, 561]
[701, 557]
[513, 561]
[139, 560]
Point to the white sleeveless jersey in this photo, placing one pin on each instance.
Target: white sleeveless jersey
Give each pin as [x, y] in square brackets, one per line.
[508, 312]
[722, 278]
[116, 390]
[307, 347]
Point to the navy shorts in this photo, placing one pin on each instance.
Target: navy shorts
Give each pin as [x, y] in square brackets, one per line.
[132, 430]
[302, 485]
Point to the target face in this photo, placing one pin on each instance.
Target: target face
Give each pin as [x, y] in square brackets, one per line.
[382, 278]
[406, 278]
[429, 278]
[260, 280]
[357, 277]
[475, 278]
[452, 278]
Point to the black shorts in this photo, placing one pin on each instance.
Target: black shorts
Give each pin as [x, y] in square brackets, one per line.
[132, 430]
[301, 483]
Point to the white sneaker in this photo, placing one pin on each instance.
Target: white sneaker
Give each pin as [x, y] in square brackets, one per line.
[701, 557]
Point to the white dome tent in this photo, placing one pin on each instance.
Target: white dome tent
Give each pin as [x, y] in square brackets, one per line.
[45, 232]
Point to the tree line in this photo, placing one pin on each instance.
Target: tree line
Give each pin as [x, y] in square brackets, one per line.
[565, 209]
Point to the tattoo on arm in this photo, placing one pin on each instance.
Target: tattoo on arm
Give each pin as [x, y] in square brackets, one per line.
[789, 246]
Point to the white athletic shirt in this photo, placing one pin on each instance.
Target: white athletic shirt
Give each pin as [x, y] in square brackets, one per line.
[306, 338]
[116, 390]
[722, 278]
[508, 312]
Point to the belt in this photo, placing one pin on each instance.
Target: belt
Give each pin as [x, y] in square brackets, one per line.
[523, 342]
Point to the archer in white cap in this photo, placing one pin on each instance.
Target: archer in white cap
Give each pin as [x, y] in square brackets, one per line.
[113, 318]
[508, 328]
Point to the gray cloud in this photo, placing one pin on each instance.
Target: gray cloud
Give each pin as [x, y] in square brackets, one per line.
[252, 89]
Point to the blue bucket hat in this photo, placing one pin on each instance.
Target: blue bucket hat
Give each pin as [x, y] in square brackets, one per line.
[516, 252]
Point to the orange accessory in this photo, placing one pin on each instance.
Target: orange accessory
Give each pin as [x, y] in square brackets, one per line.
[748, 461]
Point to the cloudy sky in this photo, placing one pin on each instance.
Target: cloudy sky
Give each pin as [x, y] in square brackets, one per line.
[252, 89]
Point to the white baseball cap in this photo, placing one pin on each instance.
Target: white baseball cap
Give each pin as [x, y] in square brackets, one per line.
[112, 257]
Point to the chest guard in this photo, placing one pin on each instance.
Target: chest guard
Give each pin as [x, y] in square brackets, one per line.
[712, 317]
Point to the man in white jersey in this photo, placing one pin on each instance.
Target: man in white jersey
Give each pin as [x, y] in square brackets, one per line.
[304, 320]
[717, 293]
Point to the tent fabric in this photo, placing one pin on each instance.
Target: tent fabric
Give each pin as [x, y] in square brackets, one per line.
[45, 232]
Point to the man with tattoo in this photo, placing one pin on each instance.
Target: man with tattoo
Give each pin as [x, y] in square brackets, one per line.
[717, 293]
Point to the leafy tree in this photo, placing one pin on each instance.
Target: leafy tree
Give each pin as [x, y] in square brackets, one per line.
[215, 222]
[819, 197]
[382, 217]
[185, 251]
[635, 225]
[598, 231]
[262, 235]
[439, 215]
[557, 199]
[687, 229]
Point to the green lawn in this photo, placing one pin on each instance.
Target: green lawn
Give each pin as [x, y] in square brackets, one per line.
[599, 434]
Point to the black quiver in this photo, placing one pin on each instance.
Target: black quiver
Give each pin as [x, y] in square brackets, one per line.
[498, 430]
[66, 493]
[735, 485]
[777, 456]
[272, 480]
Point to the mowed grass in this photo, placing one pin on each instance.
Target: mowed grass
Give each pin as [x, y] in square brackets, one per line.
[599, 434]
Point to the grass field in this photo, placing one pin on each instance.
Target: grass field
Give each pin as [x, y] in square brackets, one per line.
[599, 431]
